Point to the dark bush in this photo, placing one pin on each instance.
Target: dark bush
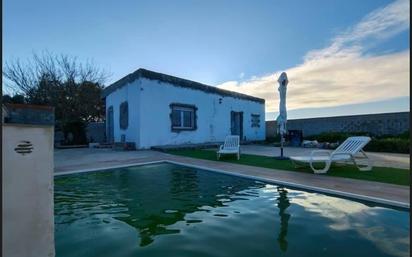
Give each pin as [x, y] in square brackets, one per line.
[16, 99]
[405, 135]
[74, 133]
[389, 145]
[332, 137]
[273, 139]
[384, 143]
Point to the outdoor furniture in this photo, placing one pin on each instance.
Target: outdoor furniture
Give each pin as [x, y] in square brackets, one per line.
[347, 151]
[309, 143]
[231, 146]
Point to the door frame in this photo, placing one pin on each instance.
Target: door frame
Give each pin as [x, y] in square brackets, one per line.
[232, 115]
[110, 125]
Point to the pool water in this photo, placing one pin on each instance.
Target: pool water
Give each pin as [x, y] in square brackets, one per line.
[171, 210]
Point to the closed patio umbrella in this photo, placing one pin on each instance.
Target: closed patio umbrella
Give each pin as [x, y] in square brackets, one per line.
[282, 118]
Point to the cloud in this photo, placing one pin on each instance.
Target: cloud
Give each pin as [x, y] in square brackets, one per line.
[341, 73]
[380, 24]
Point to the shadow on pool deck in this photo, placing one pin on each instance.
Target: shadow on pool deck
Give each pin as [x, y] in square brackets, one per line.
[70, 160]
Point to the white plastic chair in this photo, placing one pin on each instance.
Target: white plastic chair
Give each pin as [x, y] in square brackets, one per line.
[347, 151]
[230, 146]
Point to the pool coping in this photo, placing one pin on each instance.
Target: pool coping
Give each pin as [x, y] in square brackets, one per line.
[332, 192]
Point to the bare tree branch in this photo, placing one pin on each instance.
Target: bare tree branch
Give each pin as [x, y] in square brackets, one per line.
[48, 66]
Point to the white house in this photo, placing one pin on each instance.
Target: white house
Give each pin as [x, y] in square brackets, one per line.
[155, 109]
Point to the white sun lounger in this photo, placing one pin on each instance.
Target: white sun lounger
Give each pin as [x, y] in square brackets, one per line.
[347, 151]
[231, 146]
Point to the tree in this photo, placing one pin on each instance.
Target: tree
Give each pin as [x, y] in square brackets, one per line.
[16, 99]
[72, 88]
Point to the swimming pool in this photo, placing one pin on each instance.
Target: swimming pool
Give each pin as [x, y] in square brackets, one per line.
[171, 210]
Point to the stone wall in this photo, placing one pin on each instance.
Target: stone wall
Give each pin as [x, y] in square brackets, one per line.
[96, 132]
[28, 114]
[375, 124]
[271, 129]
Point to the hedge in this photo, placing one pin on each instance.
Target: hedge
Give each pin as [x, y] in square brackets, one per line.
[389, 145]
[385, 143]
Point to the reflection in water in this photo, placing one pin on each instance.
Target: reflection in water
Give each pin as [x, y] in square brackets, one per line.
[152, 203]
[344, 215]
[283, 204]
[169, 210]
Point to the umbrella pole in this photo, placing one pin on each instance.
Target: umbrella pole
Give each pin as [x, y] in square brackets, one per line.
[281, 146]
[281, 157]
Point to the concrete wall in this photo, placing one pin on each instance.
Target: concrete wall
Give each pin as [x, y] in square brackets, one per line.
[28, 221]
[376, 124]
[271, 129]
[95, 132]
[149, 110]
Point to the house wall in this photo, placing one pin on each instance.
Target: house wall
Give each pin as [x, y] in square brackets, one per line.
[28, 220]
[149, 114]
[131, 94]
[213, 119]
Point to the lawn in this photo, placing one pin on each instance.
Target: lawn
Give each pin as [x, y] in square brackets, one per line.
[380, 174]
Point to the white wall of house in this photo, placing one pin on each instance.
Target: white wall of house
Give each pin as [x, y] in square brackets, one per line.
[149, 114]
[213, 119]
[131, 94]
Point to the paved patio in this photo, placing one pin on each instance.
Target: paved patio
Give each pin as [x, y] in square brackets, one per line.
[72, 160]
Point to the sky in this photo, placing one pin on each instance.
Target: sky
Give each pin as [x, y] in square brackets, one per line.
[342, 57]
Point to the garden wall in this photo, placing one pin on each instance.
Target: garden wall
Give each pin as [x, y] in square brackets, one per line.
[375, 124]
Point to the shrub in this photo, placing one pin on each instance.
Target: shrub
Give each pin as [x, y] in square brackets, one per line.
[385, 143]
[405, 135]
[390, 145]
[333, 137]
[77, 129]
[273, 139]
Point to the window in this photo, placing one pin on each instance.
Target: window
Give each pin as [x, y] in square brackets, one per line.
[124, 115]
[183, 117]
[255, 120]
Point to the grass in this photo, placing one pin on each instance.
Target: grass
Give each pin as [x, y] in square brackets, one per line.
[379, 174]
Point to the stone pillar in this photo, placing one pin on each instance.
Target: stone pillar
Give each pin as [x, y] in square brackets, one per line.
[28, 216]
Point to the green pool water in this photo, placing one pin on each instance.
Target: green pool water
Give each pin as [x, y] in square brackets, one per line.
[170, 210]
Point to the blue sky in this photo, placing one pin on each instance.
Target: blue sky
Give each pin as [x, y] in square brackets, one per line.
[237, 45]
